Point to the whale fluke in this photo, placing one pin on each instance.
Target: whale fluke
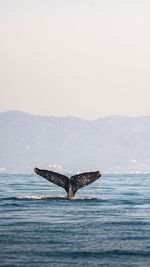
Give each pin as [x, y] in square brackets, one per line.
[70, 185]
[83, 179]
[54, 177]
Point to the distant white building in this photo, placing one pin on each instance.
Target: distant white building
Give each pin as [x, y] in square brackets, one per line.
[2, 169]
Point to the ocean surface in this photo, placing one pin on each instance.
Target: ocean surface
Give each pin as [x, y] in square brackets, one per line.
[107, 224]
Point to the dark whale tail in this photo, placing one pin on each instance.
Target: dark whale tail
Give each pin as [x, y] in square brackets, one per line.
[70, 185]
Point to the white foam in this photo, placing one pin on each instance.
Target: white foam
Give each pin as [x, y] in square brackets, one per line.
[40, 197]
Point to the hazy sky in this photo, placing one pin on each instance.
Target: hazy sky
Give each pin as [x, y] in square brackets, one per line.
[87, 58]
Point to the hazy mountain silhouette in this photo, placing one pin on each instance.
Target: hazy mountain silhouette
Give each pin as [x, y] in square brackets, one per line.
[113, 143]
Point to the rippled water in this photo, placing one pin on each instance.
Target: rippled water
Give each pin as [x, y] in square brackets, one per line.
[107, 224]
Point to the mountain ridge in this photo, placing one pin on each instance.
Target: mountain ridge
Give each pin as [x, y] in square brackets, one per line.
[111, 144]
[15, 111]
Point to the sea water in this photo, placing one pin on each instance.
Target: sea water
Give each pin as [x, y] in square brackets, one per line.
[106, 224]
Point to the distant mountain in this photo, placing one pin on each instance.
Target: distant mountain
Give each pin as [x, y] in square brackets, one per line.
[112, 144]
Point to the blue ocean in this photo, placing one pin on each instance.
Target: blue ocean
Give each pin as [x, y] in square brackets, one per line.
[106, 224]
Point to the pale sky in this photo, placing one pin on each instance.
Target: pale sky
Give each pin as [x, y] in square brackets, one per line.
[85, 58]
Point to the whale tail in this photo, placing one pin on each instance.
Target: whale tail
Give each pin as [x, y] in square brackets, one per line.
[70, 185]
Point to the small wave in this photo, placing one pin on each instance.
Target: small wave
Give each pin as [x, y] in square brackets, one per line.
[86, 199]
[51, 198]
[8, 198]
[106, 253]
[41, 198]
[60, 198]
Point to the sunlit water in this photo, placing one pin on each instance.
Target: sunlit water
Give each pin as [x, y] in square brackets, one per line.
[107, 224]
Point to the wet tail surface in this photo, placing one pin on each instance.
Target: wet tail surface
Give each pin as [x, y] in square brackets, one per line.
[72, 184]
